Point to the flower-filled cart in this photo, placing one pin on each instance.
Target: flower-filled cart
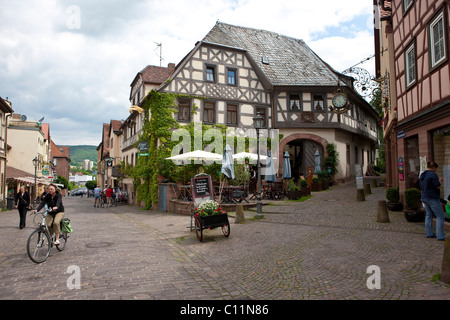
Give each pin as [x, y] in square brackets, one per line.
[209, 215]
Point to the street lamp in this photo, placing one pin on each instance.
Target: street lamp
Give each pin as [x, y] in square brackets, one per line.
[35, 164]
[258, 122]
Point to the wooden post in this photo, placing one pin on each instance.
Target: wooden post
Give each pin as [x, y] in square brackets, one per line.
[445, 270]
[382, 213]
[360, 195]
[367, 189]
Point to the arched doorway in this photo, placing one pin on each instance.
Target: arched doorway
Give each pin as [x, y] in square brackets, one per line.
[302, 152]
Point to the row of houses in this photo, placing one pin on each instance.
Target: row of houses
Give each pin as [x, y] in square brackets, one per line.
[27, 152]
[412, 62]
[235, 72]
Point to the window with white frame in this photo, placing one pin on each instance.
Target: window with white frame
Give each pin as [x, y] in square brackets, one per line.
[437, 40]
[294, 102]
[410, 65]
[211, 73]
[407, 4]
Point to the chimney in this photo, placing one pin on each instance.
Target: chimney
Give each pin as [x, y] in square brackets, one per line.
[8, 102]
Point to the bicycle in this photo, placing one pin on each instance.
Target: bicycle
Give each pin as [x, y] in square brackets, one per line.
[40, 241]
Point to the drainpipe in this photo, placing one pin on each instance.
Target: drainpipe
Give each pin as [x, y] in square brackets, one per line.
[6, 151]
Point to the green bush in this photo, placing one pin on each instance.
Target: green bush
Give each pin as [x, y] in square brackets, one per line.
[412, 198]
[303, 183]
[292, 186]
[392, 194]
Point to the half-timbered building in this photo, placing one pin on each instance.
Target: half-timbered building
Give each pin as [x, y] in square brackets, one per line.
[233, 73]
[415, 34]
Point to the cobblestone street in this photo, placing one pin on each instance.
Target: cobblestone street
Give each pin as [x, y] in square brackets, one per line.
[319, 249]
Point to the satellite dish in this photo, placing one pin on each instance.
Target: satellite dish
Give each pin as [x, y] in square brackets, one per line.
[23, 117]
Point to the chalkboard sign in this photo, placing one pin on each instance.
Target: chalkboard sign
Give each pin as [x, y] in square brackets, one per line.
[202, 186]
[238, 193]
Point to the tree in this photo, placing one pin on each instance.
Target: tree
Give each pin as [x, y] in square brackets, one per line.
[91, 184]
[62, 180]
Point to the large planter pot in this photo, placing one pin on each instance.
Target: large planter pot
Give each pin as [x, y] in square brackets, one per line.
[394, 206]
[316, 186]
[294, 194]
[214, 221]
[305, 192]
[414, 215]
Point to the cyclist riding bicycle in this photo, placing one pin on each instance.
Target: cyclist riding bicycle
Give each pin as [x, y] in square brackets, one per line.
[54, 201]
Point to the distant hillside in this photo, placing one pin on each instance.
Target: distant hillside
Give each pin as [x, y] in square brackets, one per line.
[79, 153]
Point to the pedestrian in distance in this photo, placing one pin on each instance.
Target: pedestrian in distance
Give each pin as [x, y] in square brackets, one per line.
[22, 202]
[430, 185]
[44, 193]
[97, 195]
[54, 201]
[109, 194]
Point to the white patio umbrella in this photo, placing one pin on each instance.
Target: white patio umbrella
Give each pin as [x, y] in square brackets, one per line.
[317, 161]
[197, 155]
[286, 166]
[270, 171]
[250, 156]
[227, 168]
[228, 163]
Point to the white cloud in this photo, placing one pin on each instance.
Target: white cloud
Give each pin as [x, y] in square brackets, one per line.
[79, 79]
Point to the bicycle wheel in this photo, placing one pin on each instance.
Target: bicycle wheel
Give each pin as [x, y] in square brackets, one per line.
[38, 246]
[62, 241]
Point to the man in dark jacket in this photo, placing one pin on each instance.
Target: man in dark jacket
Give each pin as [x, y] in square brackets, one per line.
[430, 185]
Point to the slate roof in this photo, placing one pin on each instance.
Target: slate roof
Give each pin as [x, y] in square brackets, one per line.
[155, 74]
[291, 61]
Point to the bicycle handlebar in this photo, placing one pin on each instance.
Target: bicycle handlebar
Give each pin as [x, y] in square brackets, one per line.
[43, 211]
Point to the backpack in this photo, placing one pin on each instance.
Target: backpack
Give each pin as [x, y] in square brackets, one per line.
[66, 227]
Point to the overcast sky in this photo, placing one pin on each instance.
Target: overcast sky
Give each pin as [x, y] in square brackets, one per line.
[72, 62]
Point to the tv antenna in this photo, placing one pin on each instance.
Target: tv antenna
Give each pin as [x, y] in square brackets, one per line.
[160, 52]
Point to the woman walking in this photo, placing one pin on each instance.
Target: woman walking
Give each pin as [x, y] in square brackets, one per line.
[22, 201]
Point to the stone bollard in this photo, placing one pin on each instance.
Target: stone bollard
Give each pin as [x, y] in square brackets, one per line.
[445, 270]
[367, 189]
[240, 218]
[360, 195]
[382, 213]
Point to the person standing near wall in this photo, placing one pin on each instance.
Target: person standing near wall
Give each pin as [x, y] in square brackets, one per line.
[430, 185]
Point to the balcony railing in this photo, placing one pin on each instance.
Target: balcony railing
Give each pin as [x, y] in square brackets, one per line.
[131, 140]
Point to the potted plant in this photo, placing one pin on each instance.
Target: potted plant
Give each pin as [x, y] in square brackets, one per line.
[304, 188]
[208, 208]
[324, 178]
[331, 161]
[414, 211]
[293, 192]
[393, 197]
[316, 185]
